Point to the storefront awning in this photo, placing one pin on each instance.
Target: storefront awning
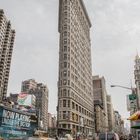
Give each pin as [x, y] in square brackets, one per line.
[135, 116]
[135, 124]
[136, 127]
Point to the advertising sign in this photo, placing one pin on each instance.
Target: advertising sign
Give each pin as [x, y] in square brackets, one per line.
[15, 119]
[26, 100]
[14, 123]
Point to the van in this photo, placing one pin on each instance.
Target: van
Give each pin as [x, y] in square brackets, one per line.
[108, 136]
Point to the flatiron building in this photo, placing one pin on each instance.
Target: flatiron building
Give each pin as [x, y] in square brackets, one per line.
[75, 110]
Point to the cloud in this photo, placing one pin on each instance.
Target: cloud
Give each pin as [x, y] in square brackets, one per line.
[36, 47]
[115, 37]
[114, 22]
[114, 34]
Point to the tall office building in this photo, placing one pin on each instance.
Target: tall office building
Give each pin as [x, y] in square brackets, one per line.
[75, 93]
[7, 36]
[99, 117]
[41, 93]
[13, 97]
[100, 94]
[118, 123]
[28, 85]
[137, 77]
[110, 111]
[51, 121]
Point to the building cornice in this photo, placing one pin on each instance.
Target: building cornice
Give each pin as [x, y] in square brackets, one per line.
[83, 7]
[59, 15]
[85, 11]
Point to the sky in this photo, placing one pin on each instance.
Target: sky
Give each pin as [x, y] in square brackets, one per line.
[115, 42]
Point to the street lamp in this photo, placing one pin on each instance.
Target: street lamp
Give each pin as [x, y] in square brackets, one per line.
[123, 87]
[133, 94]
[134, 97]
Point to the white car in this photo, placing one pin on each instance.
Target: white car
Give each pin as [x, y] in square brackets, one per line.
[108, 136]
[39, 138]
[66, 137]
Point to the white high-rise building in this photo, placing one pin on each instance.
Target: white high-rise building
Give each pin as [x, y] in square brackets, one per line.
[110, 111]
[7, 37]
[137, 77]
[41, 93]
[100, 94]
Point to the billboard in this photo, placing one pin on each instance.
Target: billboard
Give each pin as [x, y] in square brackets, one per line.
[14, 123]
[25, 99]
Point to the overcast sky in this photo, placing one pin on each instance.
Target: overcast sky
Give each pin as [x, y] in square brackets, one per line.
[115, 36]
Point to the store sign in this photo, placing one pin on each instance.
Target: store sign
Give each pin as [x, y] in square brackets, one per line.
[15, 119]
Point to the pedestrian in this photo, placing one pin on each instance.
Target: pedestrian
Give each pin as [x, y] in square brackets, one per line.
[97, 137]
[56, 137]
[131, 137]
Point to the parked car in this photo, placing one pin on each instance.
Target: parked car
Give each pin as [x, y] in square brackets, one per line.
[90, 137]
[108, 136]
[66, 137]
[37, 138]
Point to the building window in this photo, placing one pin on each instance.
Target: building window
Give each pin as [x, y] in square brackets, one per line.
[68, 92]
[65, 33]
[64, 92]
[85, 112]
[65, 8]
[72, 84]
[64, 73]
[73, 118]
[76, 117]
[65, 56]
[68, 103]
[64, 103]
[65, 41]
[64, 125]
[76, 107]
[65, 48]
[68, 82]
[80, 109]
[64, 114]
[64, 82]
[60, 115]
[65, 64]
[65, 27]
[65, 13]
[68, 73]
[68, 126]
[68, 115]
[73, 105]
[60, 103]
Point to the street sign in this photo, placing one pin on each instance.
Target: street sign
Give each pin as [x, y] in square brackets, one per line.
[132, 97]
[131, 102]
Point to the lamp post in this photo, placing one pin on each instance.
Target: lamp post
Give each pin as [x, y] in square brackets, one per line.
[122, 87]
[133, 96]
[133, 93]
